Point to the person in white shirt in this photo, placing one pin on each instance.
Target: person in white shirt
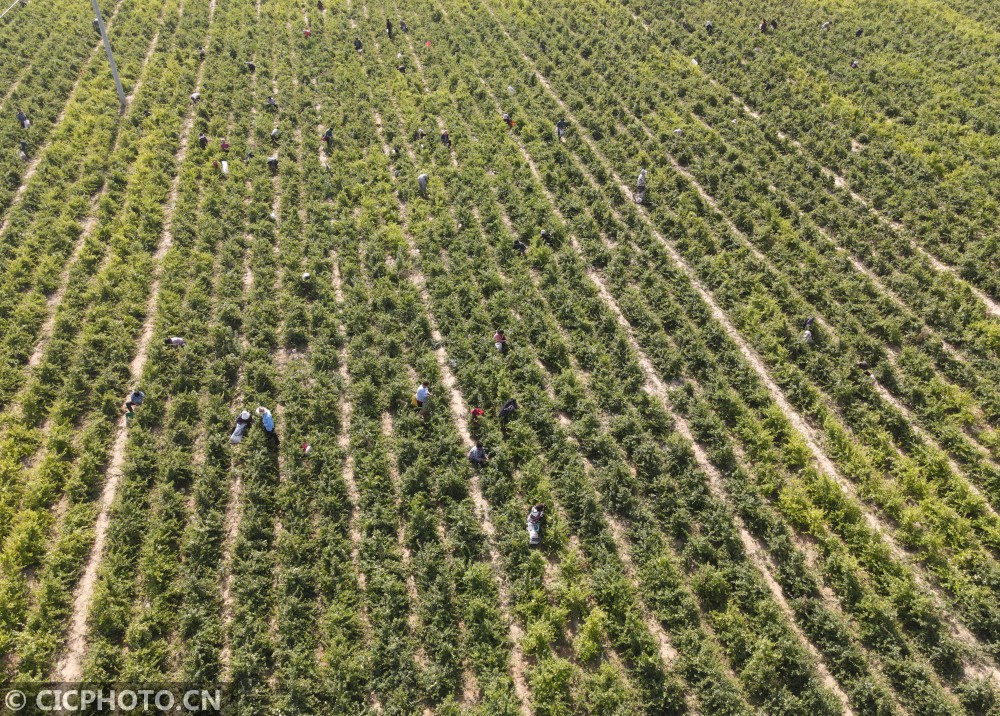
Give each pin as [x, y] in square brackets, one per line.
[423, 393]
[478, 456]
[175, 341]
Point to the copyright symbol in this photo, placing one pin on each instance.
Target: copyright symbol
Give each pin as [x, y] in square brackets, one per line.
[15, 700]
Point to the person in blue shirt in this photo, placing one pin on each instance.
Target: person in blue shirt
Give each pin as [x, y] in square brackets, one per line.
[267, 422]
[134, 400]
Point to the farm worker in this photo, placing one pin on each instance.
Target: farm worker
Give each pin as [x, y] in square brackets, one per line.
[274, 135]
[542, 45]
[22, 119]
[306, 276]
[272, 103]
[225, 168]
[640, 183]
[825, 26]
[195, 96]
[422, 394]
[421, 133]
[422, 183]
[476, 414]
[545, 236]
[807, 336]
[445, 138]
[388, 28]
[328, 136]
[242, 425]
[224, 145]
[251, 67]
[709, 27]
[508, 119]
[520, 247]
[23, 146]
[202, 140]
[134, 400]
[763, 26]
[97, 27]
[860, 32]
[175, 341]
[357, 44]
[774, 24]
[679, 132]
[561, 128]
[272, 163]
[500, 340]
[307, 32]
[507, 411]
[403, 27]
[201, 53]
[320, 6]
[854, 64]
[267, 421]
[536, 514]
[22, 155]
[401, 68]
[478, 456]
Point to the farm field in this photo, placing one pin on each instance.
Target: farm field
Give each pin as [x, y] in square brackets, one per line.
[760, 406]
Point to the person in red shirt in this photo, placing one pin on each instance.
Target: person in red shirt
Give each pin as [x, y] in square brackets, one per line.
[477, 413]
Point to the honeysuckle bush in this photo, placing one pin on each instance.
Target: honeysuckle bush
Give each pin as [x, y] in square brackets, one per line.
[280, 609]
[910, 152]
[798, 388]
[76, 390]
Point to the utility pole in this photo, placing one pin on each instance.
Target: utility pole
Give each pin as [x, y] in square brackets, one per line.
[107, 50]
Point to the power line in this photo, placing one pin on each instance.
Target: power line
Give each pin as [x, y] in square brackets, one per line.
[16, 2]
[107, 50]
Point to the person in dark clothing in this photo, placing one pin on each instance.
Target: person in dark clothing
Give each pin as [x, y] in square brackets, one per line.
[357, 44]
[272, 103]
[403, 27]
[243, 423]
[401, 68]
[22, 119]
[251, 67]
[774, 24]
[97, 27]
[272, 162]
[201, 53]
[561, 128]
[508, 119]
[202, 140]
[23, 150]
[542, 45]
[860, 32]
[520, 247]
[328, 136]
[709, 28]
[388, 28]
[320, 6]
[507, 411]
[445, 138]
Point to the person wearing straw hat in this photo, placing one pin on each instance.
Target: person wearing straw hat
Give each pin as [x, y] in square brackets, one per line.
[242, 425]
